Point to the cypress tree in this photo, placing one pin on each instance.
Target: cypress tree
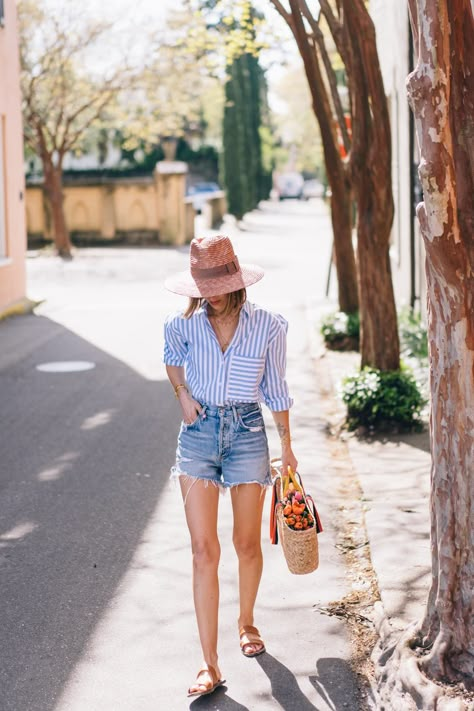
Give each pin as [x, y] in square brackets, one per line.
[245, 178]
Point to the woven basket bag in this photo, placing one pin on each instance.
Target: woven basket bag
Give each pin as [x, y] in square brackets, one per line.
[300, 548]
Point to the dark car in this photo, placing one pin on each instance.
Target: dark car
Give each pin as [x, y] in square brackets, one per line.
[200, 192]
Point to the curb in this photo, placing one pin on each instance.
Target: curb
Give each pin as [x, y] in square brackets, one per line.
[19, 308]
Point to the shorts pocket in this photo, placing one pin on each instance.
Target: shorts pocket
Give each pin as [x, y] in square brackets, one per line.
[252, 421]
[195, 423]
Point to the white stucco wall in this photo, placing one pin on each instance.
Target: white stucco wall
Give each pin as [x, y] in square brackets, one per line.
[391, 23]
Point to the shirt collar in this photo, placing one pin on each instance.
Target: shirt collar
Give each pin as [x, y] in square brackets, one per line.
[247, 309]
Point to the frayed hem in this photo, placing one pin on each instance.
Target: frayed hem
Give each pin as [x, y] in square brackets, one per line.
[185, 478]
[263, 484]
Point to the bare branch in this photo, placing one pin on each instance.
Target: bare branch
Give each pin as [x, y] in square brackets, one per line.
[333, 23]
[330, 73]
[287, 16]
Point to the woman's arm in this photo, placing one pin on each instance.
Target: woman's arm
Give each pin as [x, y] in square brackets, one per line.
[190, 407]
[282, 422]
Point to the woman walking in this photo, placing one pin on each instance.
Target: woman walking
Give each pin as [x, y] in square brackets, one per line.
[224, 356]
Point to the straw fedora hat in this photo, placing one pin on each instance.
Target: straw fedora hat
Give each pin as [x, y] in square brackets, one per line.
[214, 270]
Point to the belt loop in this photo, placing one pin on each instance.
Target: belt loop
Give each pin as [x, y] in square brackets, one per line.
[234, 411]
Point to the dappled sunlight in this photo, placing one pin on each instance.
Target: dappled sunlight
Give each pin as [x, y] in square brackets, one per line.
[19, 531]
[98, 420]
[55, 471]
[133, 635]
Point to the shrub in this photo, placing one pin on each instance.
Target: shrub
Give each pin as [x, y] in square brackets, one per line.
[382, 400]
[341, 331]
[413, 336]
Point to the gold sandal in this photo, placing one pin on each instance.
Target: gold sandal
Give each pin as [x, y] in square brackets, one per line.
[250, 635]
[207, 687]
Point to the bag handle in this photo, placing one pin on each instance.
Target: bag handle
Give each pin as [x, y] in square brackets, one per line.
[277, 495]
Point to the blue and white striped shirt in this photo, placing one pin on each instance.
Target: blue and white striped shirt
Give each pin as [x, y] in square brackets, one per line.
[252, 369]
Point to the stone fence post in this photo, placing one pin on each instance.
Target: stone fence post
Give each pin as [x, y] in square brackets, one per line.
[170, 179]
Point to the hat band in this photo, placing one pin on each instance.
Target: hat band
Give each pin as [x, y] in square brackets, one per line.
[221, 270]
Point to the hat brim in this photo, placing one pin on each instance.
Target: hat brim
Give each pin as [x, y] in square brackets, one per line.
[185, 284]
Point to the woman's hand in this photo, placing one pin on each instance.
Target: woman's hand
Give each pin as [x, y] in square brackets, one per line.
[191, 408]
[288, 459]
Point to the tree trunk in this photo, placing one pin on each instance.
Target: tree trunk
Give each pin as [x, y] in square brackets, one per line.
[341, 215]
[371, 166]
[441, 92]
[338, 178]
[54, 192]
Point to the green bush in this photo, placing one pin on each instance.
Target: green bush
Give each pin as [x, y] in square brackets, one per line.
[341, 331]
[383, 400]
[413, 336]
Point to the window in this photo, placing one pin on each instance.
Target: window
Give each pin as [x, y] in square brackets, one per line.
[2, 14]
[3, 236]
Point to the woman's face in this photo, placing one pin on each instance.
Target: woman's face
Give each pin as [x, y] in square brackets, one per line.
[217, 303]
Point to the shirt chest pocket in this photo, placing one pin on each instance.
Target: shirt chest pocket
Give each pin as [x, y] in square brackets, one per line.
[245, 375]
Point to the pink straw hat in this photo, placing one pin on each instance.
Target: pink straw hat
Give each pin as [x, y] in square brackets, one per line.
[214, 270]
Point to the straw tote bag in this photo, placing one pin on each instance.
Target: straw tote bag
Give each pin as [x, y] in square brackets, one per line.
[295, 521]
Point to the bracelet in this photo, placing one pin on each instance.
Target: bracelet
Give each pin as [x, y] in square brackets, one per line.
[177, 389]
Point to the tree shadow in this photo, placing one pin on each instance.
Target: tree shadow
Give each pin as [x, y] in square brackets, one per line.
[329, 683]
[82, 472]
[285, 688]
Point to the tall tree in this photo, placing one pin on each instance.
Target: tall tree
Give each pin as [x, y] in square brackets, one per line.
[327, 108]
[245, 109]
[441, 91]
[366, 169]
[244, 174]
[61, 98]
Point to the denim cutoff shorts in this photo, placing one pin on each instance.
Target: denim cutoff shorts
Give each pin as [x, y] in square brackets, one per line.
[225, 445]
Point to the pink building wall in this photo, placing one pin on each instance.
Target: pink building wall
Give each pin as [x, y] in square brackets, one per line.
[12, 184]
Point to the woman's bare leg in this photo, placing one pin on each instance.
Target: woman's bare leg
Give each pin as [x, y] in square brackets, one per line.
[201, 504]
[247, 504]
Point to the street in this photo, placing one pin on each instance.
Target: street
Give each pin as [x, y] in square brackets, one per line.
[95, 560]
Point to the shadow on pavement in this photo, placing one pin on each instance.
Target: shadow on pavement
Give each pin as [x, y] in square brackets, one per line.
[83, 460]
[329, 683]
[285, 688]
[217, 701]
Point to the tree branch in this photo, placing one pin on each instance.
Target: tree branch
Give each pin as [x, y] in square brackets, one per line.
[321, 105]
[333, 23]
[330, 73]
[287, 16]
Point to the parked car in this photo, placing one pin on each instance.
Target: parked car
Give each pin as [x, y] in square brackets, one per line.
[200, 192]
[289, 185]
[313, 189]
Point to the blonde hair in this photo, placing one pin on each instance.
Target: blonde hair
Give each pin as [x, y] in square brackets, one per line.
[235, 300]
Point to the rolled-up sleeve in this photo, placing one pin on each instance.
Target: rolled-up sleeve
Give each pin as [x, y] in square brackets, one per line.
[273, 386]
[176, 348]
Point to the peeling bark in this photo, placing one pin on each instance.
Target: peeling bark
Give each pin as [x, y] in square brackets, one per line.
[441, 93]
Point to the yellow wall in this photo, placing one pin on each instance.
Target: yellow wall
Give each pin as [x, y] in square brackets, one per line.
[124, 208]
[12, 253]
[103, 211]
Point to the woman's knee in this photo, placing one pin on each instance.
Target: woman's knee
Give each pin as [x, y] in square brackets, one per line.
[206, 553]
[247, 547]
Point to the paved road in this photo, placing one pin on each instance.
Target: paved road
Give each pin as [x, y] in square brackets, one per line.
[96, 611]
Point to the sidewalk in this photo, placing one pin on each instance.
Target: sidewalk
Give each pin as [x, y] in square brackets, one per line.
[94, 486]
[88, 467]
[394, 474]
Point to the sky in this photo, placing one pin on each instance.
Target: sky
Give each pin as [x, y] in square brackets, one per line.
[155, 11]
[152, 14]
